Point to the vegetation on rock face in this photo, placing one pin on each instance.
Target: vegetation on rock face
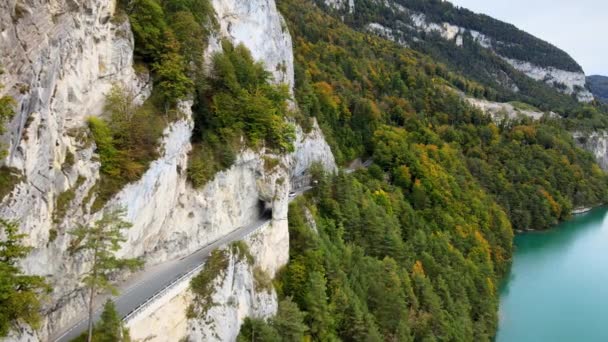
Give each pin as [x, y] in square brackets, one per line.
[19, 293]
[216, 266]
[7, 111]
[238, 102]
[125, 146]
[170, 37]
[9, 177]
[64, 200]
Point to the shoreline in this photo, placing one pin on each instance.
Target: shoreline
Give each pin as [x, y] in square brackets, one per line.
[576, 211]
[583, 210]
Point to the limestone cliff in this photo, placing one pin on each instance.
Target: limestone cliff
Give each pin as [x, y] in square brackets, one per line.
[596, 143]
[61, 57]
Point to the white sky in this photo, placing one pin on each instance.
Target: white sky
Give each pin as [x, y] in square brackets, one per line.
[575, 26]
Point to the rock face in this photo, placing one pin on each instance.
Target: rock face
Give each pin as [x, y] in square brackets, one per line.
[597, 144]
[238, 292]
[259, 26]
[566, 81]
[500, 111]
[60, 58]
[342, 4]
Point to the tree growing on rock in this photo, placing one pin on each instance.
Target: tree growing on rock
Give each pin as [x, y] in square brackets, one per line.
[7, 111]
[101, 241]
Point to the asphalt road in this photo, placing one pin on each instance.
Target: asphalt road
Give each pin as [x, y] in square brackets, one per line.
[150, 281]
[145, 284]
[155, 279]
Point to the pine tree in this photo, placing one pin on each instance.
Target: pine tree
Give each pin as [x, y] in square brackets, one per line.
[289, 321]
[110, 327]
[321, 321]
[102, 240]
[19, 293]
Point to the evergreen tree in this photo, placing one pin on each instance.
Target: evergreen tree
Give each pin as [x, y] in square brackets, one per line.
[101, 241]
[319, 315]
[110, 327]
[257, 330]
[289, 321]
[19, 293]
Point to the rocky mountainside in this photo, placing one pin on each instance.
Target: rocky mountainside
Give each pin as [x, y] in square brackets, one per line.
[487, 50]
[598, 86]
[355, 91]
[60, 59]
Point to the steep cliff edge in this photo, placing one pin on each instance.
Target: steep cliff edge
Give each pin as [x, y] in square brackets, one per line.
[61, 58]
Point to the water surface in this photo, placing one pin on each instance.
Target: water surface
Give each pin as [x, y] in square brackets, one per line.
[557, 289]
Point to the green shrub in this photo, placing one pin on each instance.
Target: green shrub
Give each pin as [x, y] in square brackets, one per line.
[262, 280]
[126, 147]
[149, 26]
[7, 110]
[63, 201]
[239, 101]
[9, 178]
[70, 160]
[241, 250]
[202, 284]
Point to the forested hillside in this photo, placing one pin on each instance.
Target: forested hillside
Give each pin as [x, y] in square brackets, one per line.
[599, 86]
[414, 247]
[481, 55]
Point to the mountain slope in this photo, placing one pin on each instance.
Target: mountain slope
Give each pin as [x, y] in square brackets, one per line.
[489, 51]
[599, 86]
[412, 248]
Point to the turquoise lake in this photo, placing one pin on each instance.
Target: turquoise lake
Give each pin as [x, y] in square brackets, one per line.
[557, 289]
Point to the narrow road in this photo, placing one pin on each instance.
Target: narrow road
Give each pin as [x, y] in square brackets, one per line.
[150, 281]
[157, 278]
[154, 279]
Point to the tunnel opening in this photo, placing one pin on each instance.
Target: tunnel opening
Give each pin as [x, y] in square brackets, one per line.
[265, 209]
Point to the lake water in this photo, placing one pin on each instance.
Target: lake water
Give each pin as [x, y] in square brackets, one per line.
[557, 289]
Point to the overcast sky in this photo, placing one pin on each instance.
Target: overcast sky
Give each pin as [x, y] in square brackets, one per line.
[576, 26]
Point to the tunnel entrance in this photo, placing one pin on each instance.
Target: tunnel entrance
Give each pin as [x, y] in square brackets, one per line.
[265, 209]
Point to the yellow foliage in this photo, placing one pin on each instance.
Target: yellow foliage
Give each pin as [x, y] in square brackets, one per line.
[482, 242]
[418, 268]
[555, 207]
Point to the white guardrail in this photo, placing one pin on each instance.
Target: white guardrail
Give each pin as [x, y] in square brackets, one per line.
[161, 293]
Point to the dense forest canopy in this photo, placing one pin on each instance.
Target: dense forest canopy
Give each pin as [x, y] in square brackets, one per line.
[412, 248]
[356, 84]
